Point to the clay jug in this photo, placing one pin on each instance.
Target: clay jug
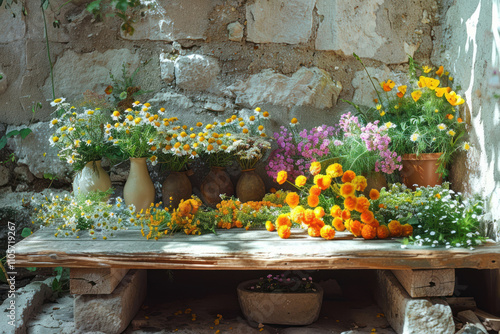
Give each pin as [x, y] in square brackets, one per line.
[139, 189]
[91, 178]
[421, 170]
[216, 182]
[176, 187]
[250, 186]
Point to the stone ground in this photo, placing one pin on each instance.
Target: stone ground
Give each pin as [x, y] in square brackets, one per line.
[346, 309]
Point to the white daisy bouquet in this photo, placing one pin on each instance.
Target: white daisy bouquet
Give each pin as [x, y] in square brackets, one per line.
[79, 133]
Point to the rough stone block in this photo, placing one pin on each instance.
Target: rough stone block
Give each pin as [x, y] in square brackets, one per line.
[173, 20]
[306, 87]
[4, 175]
[23, 173]
[196, 72]
[167, 68]
[13, 28]
[411, 316]
[111, 313]
[95, 281]
[3, 82]
[235, 31]
[279, 21]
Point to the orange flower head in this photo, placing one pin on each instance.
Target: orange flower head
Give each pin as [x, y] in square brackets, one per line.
[284, 231]
[440, 71]
[327, 232]
[338, 224]
[315, 168]
[402, 91]
[430, 83]
[454, 99]
[350, 203]
[314, 231]
[348, 176]
[346, 214]
[356, 228]
[440, 91]
[336, 211]
[282, 176]
[317, 222]
[449, 116]
[347, 224]
[374, 194]
[312, 200]
[334, 170]
[292, 199]
[319, 212]
[375, 223]
[347, 189]
[383, 232]
[270, 226]
[416, 95]
[283, 219]
[388, 85]
[360, 182]
[323, 181]
[300, 181]
[309, 216]
[362, 204]
[369, 232]
[315, 190]
[459, 120]
[395, 228]
[407, 230]
[297, 214]
[367, 217]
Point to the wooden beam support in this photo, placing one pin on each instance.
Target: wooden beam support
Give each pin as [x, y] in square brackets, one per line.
[427, 283]
[95, 281]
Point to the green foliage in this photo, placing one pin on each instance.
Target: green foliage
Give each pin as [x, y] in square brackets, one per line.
[61, 282]
[120, 8]
[23, 133]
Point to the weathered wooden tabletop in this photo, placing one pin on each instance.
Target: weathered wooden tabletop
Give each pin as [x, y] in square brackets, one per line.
[243, 250]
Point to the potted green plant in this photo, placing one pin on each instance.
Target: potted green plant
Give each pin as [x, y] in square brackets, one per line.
[423, 122]
[280, 299]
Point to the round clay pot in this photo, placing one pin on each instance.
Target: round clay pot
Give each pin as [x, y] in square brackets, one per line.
[421, 170]
[91, 178]
[250, 186]
[216, 182]
[296, 309]
[139, 189]
[176, 187]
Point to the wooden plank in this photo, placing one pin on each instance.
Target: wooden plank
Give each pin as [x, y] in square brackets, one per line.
[95, 281]
[469, 316]
[242, 250]
[427, 283]
[490, 319]
[458, 304]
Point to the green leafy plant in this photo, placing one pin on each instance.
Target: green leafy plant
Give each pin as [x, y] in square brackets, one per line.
[23, 133]
[61, 281]
[124, 89]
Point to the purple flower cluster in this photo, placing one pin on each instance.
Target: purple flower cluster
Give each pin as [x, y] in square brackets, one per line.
[316, 142]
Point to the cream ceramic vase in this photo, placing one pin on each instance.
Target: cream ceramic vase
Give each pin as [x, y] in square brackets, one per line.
[91, 178]
[139, 189]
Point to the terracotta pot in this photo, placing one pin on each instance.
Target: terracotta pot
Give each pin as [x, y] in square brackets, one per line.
[176, 187]
[139, 189]
[374, 180]
[297, 309]
[91, 178]
[250, 186]
[421, 170]
[216, 182]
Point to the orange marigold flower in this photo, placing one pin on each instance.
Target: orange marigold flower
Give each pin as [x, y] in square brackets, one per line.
[350, 203]
[300, 181]
[347, 189]
[282, 176]
[356, 228]
[270, 226]
[292, 199]
[336, 211]
[362, 204]
[327, 232]
[449, 116]
[367, 217]
[297, 214]
[319, 212]
[309, 216]
[315, 168]
[440, 70]
[388, 85]
[315, 190]
[338, 224]
[312, 200]
[382, 206]
[360, 182]
[374, 194]
[374, 223]
[395, 228]
[284, 231]
[334, 170]
[383, 232]
[283, 219]
[369, 232]
[348, 176]
[346, 214]
[416, 95]
[347, 224]
[323, 181]
[459, 120]
[407, 230]
[314, 231]
[317, 222]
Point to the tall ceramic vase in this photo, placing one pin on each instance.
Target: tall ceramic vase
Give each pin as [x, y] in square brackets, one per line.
[139, 189]
[421, 170]
[176, 187]
[91, 178]
[216, 182]
[250, 186]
